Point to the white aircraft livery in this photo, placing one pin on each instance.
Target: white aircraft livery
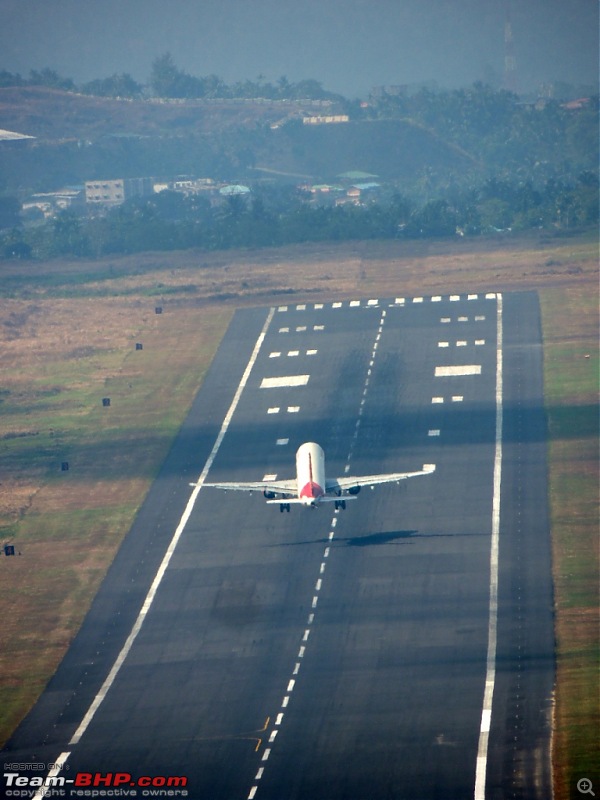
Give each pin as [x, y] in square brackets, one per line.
[311, 487]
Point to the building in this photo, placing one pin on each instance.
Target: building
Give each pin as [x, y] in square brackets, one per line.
[187, 186]
[71, 198]
[329, 119]
[232, 190]
[117, 191]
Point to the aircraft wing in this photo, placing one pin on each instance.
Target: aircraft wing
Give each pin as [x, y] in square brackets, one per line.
[277, 487]
[349, 482]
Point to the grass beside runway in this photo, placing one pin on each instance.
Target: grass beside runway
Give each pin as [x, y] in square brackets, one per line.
[68, 340]
[570, 320]
[59, 359]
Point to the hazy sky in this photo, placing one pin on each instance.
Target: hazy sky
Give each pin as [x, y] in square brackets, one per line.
[348, 45]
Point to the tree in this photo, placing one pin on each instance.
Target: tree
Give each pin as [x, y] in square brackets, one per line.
[10, 210]
[51, 78]
[166, 80]
[164, 76]
[13, 245]
[10, 79]
[436, 218]
[283, 87]
[114, 86]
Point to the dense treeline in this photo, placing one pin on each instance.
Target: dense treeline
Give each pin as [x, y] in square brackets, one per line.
[171, 221]
[511, 138]
[518, 166]
[167, 81]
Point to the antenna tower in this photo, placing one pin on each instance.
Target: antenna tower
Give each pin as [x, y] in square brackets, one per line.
[510, 63]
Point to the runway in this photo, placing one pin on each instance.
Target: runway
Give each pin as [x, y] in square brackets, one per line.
[402, 648]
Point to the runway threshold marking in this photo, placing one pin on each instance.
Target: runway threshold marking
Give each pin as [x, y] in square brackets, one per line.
[149, 599]
[490, 677]
[457, 370]
[284, 380]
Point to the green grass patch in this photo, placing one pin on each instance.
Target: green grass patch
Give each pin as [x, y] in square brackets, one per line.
[570, 322]
[68, 524]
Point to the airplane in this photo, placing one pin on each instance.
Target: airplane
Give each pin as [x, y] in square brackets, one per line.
[310, 488]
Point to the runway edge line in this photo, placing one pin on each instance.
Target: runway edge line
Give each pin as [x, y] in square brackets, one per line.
[103, 691]
[490, 677]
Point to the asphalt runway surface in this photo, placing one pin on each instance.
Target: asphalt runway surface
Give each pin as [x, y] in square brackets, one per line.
[402, 648]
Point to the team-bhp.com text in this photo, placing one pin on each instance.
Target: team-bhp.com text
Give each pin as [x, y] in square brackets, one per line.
[96, 784]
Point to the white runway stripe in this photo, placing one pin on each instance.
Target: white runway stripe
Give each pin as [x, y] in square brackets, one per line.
[173, 543]
[490, 678]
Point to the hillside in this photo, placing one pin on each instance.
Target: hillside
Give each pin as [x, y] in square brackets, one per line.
[50, 114]
[81, 138]
[390, 149]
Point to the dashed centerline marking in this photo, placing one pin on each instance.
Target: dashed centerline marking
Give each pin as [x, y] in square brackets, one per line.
[319, 581]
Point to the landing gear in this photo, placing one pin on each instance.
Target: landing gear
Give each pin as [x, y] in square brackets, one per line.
[284, 507]
[340, 504]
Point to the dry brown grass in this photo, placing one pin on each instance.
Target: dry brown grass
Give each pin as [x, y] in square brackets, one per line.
[59, 358]
[333, 271]
[68, 340]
